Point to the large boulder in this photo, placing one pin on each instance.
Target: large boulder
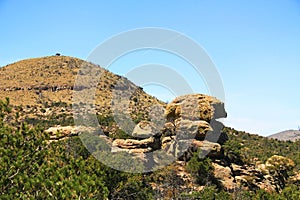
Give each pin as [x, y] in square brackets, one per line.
[195, 107]
[210, 149]
[137, 149]
[187, 129]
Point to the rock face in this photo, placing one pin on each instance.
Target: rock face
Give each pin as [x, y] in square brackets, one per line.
[184, 134]
[192, 129]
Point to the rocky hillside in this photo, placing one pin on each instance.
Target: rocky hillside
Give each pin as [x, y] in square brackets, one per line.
[291, 135]
[182, 149]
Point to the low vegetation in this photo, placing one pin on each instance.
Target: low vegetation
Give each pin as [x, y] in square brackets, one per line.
[33, 168]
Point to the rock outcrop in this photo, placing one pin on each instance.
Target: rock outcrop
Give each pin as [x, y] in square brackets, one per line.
[190, 121]
[184, 134]
[191, 125]
[225, 176]
[60, 132]
[269, 176]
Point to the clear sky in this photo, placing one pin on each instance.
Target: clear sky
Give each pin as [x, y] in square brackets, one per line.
[255, 46]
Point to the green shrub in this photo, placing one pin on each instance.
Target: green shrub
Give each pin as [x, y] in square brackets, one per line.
[202, 169]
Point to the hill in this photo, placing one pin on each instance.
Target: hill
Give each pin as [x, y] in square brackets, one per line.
[291, 135]
[51, 79]
[41, 91]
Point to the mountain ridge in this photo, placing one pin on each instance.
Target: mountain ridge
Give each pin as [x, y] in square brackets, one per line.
[291, 135]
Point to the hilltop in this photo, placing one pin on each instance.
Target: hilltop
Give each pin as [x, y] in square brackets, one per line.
[46, 80]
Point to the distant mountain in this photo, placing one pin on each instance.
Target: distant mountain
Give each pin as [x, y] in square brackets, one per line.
[291, 135]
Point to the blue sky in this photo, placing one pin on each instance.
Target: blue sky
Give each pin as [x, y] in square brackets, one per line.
[255, 46]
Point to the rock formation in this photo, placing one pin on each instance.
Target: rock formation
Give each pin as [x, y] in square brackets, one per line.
[191, 126]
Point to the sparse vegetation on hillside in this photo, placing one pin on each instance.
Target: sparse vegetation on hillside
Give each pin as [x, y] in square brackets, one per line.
[65, 169]
[33, 169]
[251, 148]
[37, 164]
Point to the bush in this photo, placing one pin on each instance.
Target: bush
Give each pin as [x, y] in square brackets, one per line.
[208, 193]
[202, 169]
[232, 150]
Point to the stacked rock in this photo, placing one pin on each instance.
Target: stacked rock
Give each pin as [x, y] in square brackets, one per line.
[192, 124]
[189, 124]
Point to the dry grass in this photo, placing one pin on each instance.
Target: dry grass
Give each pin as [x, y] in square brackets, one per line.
[35, 81]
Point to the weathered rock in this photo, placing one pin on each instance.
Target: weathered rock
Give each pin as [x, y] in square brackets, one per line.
[59, 132]
[174, 147]
[268, 184]
[215, 134]
[132, 151]
[169, 129]
[200, 130]
[257, 177]
[224, 175]
[183, 149]
[246, 177]
[278, 167]
[237, 170]
[295, 178]
[144, 129]
[133, 144]
[195, 107]
[186, 129]
[210, 149]
[193, 116]
[65, 129]
[138, 149]
[165, 142]
[262, 167]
